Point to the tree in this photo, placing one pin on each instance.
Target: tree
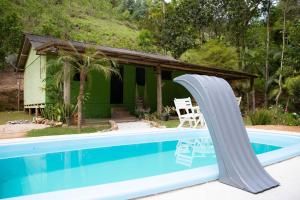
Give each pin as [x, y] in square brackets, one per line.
[10, 31]
[206, 16]
[170, 28]
[287, 7]
[84, 63]
[239, 15]
[293, 88]
[268, 9]
[213, 53]
[177, 36]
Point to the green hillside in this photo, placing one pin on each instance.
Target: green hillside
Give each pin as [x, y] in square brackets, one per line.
[89, 21]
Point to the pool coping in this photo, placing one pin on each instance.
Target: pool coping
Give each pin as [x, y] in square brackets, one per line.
[154, 184]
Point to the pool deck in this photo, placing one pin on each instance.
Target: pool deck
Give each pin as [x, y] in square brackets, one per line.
[286, 172]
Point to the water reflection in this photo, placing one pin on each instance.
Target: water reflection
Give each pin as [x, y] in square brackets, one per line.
[188, 150]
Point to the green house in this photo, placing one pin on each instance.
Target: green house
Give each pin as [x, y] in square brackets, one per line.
[144, 75]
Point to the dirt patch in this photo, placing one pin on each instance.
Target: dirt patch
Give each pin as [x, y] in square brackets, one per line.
[277, 127]
[18, 130]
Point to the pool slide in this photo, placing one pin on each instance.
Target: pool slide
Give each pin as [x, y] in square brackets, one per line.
[237, 162]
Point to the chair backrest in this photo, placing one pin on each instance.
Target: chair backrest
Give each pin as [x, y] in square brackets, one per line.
[238, 99]
[183, 104]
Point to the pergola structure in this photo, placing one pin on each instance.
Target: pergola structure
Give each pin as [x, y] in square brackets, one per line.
[49, 45]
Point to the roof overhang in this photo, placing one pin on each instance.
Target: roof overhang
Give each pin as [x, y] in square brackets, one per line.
[124, 56]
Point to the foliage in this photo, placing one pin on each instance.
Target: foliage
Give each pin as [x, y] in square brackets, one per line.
[57, 112]
[169, 28]
[274, 115]
[82, 20]
[64, 131]
[261, 117]
[10, 31]
[57, 25]
[151, 116]
[293, 88]
[293, 51]
[176, 37]
[146, 41]
[213, 53]
[169, 110]
[133, 10]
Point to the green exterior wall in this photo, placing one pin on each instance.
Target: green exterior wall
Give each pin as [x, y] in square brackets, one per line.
[129, 87]
[97, 91]
[34, 76]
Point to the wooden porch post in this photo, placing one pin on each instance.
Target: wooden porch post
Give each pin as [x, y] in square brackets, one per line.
[158, 90]
[67, 83]
[36, 111]
[252, 93]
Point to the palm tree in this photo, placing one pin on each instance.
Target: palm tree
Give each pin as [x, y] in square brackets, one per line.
[88, 59]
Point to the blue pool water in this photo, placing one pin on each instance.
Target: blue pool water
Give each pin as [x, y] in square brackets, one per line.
[72, 169]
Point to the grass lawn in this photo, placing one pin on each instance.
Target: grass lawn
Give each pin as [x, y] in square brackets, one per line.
[65, 130]
[13, 115]
[170, 123]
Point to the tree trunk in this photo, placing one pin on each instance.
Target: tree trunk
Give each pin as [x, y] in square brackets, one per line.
[247, 100]
[267, 55]
[282, 56]
[238, 50]
[80, 97]
[287, 105]
[252, 94]
[243, 50]
[67, 84]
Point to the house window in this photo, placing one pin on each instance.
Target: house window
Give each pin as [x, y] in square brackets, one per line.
[166, 75]
[140, 76]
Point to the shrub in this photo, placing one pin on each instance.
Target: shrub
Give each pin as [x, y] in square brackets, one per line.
[261, 117]
[57, 112]
[288, 119]
[293, 87]
[274, 115]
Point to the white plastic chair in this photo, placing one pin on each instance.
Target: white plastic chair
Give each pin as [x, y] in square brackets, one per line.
[191, 113]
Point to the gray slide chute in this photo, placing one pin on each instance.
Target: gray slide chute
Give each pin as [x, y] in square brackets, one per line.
[237, 162]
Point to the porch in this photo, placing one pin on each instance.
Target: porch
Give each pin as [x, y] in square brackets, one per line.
[146, 77]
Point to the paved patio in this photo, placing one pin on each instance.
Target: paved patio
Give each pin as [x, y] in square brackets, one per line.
[138, 125]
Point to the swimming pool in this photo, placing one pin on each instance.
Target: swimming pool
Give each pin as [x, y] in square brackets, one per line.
[119, 166]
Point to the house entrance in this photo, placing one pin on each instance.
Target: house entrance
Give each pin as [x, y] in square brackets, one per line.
[116, 88]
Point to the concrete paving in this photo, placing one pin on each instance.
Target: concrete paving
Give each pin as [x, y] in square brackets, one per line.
[286, 172]
[139, 125]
